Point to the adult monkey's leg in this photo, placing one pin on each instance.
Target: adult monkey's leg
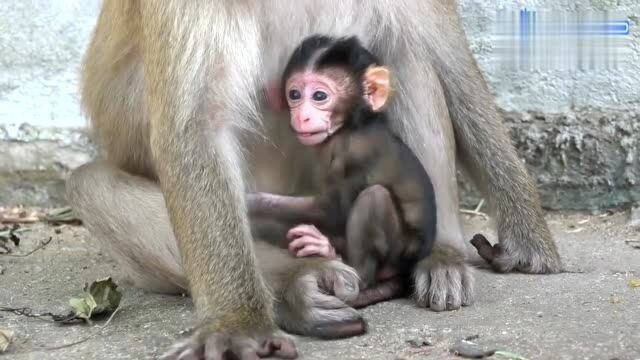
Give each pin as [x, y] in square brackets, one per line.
[194, 102]
[442, 281]
[169, 83]
[433, 32]
[128, 216]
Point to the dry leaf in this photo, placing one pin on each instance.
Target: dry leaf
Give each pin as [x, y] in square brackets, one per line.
[8, 236]
[6, 338]
[63, 215]
[101, 297]
[634, 283]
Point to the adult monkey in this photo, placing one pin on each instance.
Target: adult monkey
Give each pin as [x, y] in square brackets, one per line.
[172, 91]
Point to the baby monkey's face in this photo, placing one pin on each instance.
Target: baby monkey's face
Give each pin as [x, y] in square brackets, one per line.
[318, 102]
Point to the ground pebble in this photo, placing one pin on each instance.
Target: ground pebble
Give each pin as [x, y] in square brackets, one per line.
[470, 350]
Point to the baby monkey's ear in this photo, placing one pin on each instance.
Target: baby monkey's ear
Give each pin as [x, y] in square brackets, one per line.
[377, 86]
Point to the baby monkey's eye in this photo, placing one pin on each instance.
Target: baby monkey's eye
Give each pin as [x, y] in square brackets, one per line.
[294, 94]
[320, 96]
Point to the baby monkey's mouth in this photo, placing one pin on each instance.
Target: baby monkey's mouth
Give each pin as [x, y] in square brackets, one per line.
[309, 134]
[311, 138]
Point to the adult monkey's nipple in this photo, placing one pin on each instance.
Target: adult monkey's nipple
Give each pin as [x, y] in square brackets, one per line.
[273, 95]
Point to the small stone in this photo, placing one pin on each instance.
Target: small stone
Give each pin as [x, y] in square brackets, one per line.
[1, 270]
[470, 350]
[419, 343]
[539, 314]
[615, 299]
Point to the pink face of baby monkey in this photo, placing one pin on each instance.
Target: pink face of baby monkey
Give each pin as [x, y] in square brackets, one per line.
[317, 104]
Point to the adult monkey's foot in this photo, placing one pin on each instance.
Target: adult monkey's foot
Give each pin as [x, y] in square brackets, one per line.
[245, 346]
[536, 254]
[443, 281]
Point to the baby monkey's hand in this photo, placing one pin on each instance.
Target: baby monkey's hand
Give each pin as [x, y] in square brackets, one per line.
[307, 240]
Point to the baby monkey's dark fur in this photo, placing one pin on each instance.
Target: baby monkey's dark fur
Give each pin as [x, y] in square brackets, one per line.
[375, 191]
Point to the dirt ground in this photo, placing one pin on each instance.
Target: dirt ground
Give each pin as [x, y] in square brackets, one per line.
[592, 312]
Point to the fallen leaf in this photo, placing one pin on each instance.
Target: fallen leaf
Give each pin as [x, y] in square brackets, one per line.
[101, 297]
[6, 338]
[83, 306]
[9, 235]
[634, 283]
[63, 215]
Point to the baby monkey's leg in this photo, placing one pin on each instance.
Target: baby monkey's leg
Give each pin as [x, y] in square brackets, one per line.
[372, 209]
[307, 240]
[373, 233]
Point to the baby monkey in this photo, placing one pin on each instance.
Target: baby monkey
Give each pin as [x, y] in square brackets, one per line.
[375, 192]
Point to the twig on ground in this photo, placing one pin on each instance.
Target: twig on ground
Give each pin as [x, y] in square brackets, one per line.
[40, 246]
[12, 220]
[18, 215]
[28, 312]
[476, 211]
[87, 338]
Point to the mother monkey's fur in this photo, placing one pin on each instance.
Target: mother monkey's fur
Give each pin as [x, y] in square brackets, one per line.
[173, 92]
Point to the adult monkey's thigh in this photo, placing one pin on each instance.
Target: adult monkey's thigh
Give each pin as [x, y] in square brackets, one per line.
[434, 35]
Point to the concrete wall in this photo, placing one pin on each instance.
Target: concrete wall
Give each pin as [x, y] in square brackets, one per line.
[41, 46]
[576, 130]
